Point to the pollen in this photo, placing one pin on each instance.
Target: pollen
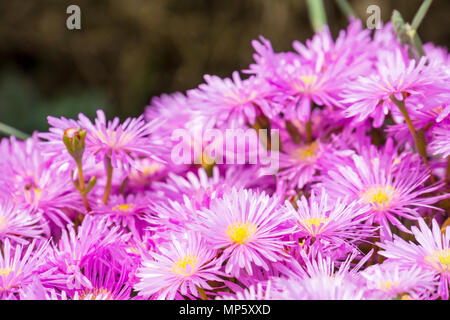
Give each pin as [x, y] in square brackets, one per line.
[309, 80]
[4, 272]
[314, 225]
[308, 153]
[186, 266]
[124, 207]
[379, 197]
[440, 260]
[95, 292]
[241, 232]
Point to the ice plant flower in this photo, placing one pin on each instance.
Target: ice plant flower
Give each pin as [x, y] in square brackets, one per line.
[394, 76]
[18, 224]
[249, 228]
[19, 265]
[121, 143]
[391, 184]
[328, 225]
[232, 102]
[389, 281]
[431, 252]
[183, 266]
[440, 145]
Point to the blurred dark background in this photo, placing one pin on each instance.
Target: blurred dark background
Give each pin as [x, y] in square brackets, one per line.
[130, 50]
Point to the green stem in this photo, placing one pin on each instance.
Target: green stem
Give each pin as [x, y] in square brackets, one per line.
[346, 8]
[109, 173]
[419, 139]
[10, 131]
[420, 14]
[82, 186]
[317, 14]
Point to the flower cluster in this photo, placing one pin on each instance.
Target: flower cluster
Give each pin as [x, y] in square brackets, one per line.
[358, 207]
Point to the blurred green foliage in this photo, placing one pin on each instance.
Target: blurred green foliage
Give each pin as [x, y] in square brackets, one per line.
[128, 51]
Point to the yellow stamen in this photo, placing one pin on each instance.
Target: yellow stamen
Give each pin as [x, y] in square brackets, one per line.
[4, 272]
[440, 260]
[379, 197]
[307, 153]
[95, 292]
[185, 266]
[240, 232]
[123, 207]
[316, 222]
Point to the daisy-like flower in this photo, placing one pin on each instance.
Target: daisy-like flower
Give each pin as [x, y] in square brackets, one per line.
[95, 239]
[232, 103]
[183, 265]
[300, 163]
[318, 288]
[392, 184]
[200, 188]
[19, 265]
[249, 226]
[107, 283]
[321, 280]
[126, 211]
[121, 143]
[395, 76]
[35, 184]
[389, 281]
[440, 144]
[329, 224]
[18, 224]
[431, 252]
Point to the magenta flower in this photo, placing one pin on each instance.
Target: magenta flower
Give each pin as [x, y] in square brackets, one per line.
[394, 76]
[327, 225]
[17, 224]
[94, 239]
[249, 227]
[182, 265]
[232, 103]
[392, 184]
[122, 143]
[431, 252]
[389, 281]
[35, 184]
[19, 265]
[440, 145]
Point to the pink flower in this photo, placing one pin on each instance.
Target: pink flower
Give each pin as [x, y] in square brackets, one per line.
[432, 252]
[183, 265]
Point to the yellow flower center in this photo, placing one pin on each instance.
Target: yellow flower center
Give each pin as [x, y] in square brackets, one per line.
[313, 225]
[240, 232]
[379, 197]
[440, 260]
[307, 153]
[95, 292]
[37, 193]
[309, 80]
[123, 207]
[3, 223]
[186, 266]
[4, 272]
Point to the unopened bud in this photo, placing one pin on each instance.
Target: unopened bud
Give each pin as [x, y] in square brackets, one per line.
[75, 142]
